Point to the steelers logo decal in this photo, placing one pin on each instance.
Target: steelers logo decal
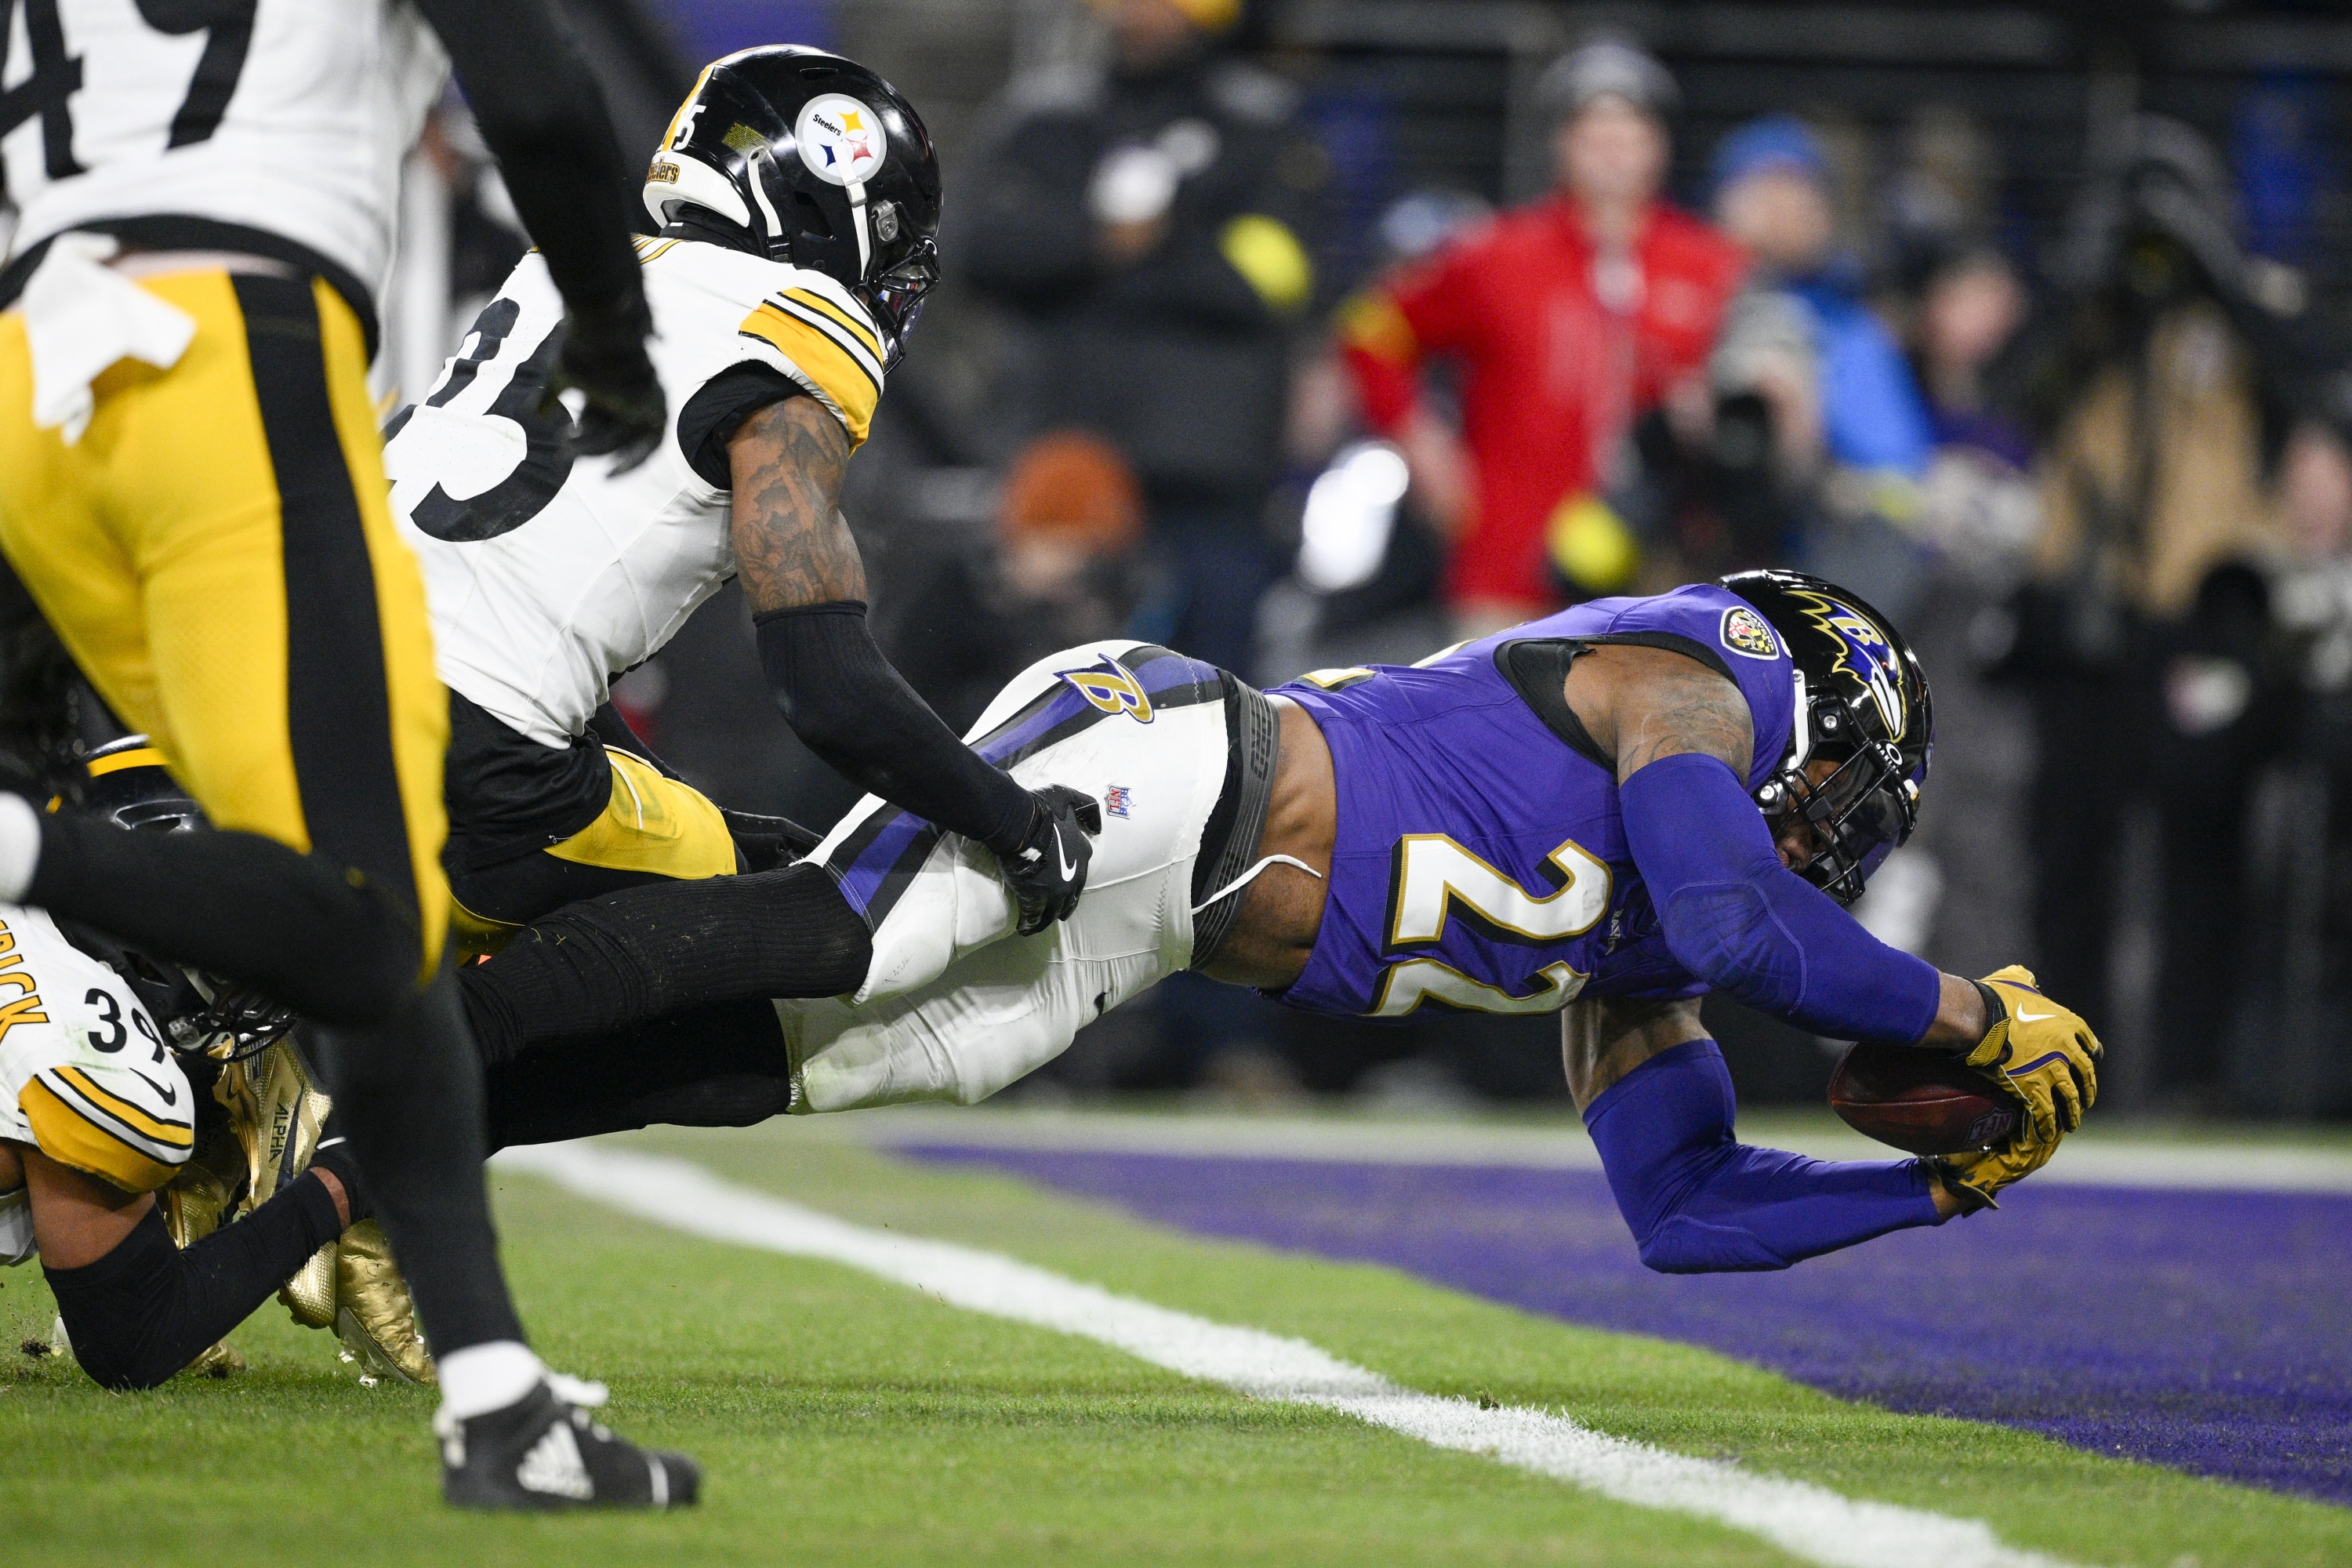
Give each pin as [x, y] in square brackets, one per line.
[1745, 632]
[1112, 686]
[841, 140]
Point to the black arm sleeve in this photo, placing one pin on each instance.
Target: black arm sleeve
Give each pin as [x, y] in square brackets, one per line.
[542, 113]
[146, 1309]
[859, 715]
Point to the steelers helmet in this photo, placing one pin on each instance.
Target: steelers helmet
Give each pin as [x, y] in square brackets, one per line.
[806, 157]
[127, 785]
[1861, 703]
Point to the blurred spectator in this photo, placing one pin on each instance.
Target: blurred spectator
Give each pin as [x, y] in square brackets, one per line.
[2292, 1042]
[1978, 505]
[1146, 222]
[1968, 869]
[2146, 631]
[1772, 196]
[1060, 569]
[1567, 319]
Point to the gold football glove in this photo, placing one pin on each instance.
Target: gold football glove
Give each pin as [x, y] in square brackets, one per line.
[1975, 1178]
[2041, 1052]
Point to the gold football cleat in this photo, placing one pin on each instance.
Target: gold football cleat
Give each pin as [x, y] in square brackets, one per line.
[374, 1316]
[310, 1296]
[277, 1112]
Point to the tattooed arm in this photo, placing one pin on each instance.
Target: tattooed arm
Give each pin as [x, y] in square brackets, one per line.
[800, 570]
[1640, 704]
[791, 546]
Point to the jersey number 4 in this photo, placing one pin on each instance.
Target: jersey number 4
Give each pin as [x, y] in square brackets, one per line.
[228, 26]
[1437, 879]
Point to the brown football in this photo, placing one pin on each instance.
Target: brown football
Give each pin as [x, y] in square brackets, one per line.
[1919, 1100]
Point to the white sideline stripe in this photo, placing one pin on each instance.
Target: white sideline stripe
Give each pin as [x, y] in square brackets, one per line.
[2086, 1160]
[1800, 1519]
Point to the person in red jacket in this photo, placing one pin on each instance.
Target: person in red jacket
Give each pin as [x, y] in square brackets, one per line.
[1568, 318]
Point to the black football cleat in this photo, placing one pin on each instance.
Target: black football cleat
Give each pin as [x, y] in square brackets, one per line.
[543, 1452]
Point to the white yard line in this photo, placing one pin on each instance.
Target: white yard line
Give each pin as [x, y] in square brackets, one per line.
[1803, 1520]
[2090, 1160]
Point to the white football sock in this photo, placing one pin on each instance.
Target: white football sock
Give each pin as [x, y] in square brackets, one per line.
[482, 1378]
[20, 846]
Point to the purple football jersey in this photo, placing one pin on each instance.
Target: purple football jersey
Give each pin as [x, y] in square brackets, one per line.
[1481, 862]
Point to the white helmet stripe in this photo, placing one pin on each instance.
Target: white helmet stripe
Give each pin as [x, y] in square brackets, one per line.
[858, 220]
[682, 177]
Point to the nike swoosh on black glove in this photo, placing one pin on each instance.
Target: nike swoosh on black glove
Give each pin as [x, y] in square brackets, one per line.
[604, 356]
[1049, 871]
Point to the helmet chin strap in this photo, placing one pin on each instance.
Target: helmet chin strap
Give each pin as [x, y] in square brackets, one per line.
[857, 220]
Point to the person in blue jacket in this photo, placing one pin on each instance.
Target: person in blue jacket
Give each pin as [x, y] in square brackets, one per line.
[1772, 196]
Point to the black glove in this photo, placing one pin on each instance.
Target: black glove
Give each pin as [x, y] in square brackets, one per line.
[604, 356]
[1047, 870]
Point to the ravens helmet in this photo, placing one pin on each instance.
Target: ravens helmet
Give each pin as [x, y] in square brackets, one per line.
[805, 157]
[127, 786]
[1863, 705]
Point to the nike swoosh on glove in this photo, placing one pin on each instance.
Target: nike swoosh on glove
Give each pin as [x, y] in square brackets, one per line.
[1047, 871]
[2043, 1053]
[604, 356]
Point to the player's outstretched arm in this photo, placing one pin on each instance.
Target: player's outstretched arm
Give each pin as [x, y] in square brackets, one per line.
[1735, 914]
[800, 569]
[542, 115]
[1738, 918]
[136, 1307]
[1658, 1102]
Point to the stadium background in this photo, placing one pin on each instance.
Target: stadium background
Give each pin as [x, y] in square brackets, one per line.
[1437, 101]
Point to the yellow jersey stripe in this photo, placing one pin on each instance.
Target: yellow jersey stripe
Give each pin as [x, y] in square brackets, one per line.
[142, 757]
[857, 329]
[70, 1138]
[828, 370]
[659, 248]
[852, 344]
[172, 1134]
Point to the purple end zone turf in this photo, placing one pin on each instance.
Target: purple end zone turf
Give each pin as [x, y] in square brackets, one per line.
[2207, 1331]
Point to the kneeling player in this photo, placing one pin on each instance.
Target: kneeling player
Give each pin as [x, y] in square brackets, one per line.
[1618, 807]
[107, 1169]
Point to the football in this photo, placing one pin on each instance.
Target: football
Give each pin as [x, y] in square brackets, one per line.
[1922, 1101]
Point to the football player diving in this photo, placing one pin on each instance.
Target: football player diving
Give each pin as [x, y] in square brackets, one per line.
[1611, 811]
[192, 489]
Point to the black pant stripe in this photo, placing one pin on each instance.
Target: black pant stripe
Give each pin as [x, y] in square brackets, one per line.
[338, 701]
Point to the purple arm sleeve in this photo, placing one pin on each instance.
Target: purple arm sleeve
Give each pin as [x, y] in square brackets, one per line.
[1747, 926]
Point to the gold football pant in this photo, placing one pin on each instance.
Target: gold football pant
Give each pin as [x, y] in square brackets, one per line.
[653, 828]
[218, 552]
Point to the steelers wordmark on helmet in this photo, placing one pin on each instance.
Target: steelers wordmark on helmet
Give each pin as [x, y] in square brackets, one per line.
[841, 140]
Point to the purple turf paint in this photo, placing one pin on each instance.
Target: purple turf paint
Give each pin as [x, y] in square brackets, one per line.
[2207, 1331]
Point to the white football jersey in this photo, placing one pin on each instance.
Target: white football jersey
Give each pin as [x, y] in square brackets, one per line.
[85, 1076]
[548, 576]
[287, 116]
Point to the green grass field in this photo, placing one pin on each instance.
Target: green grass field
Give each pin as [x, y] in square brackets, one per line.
[844, 1419]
